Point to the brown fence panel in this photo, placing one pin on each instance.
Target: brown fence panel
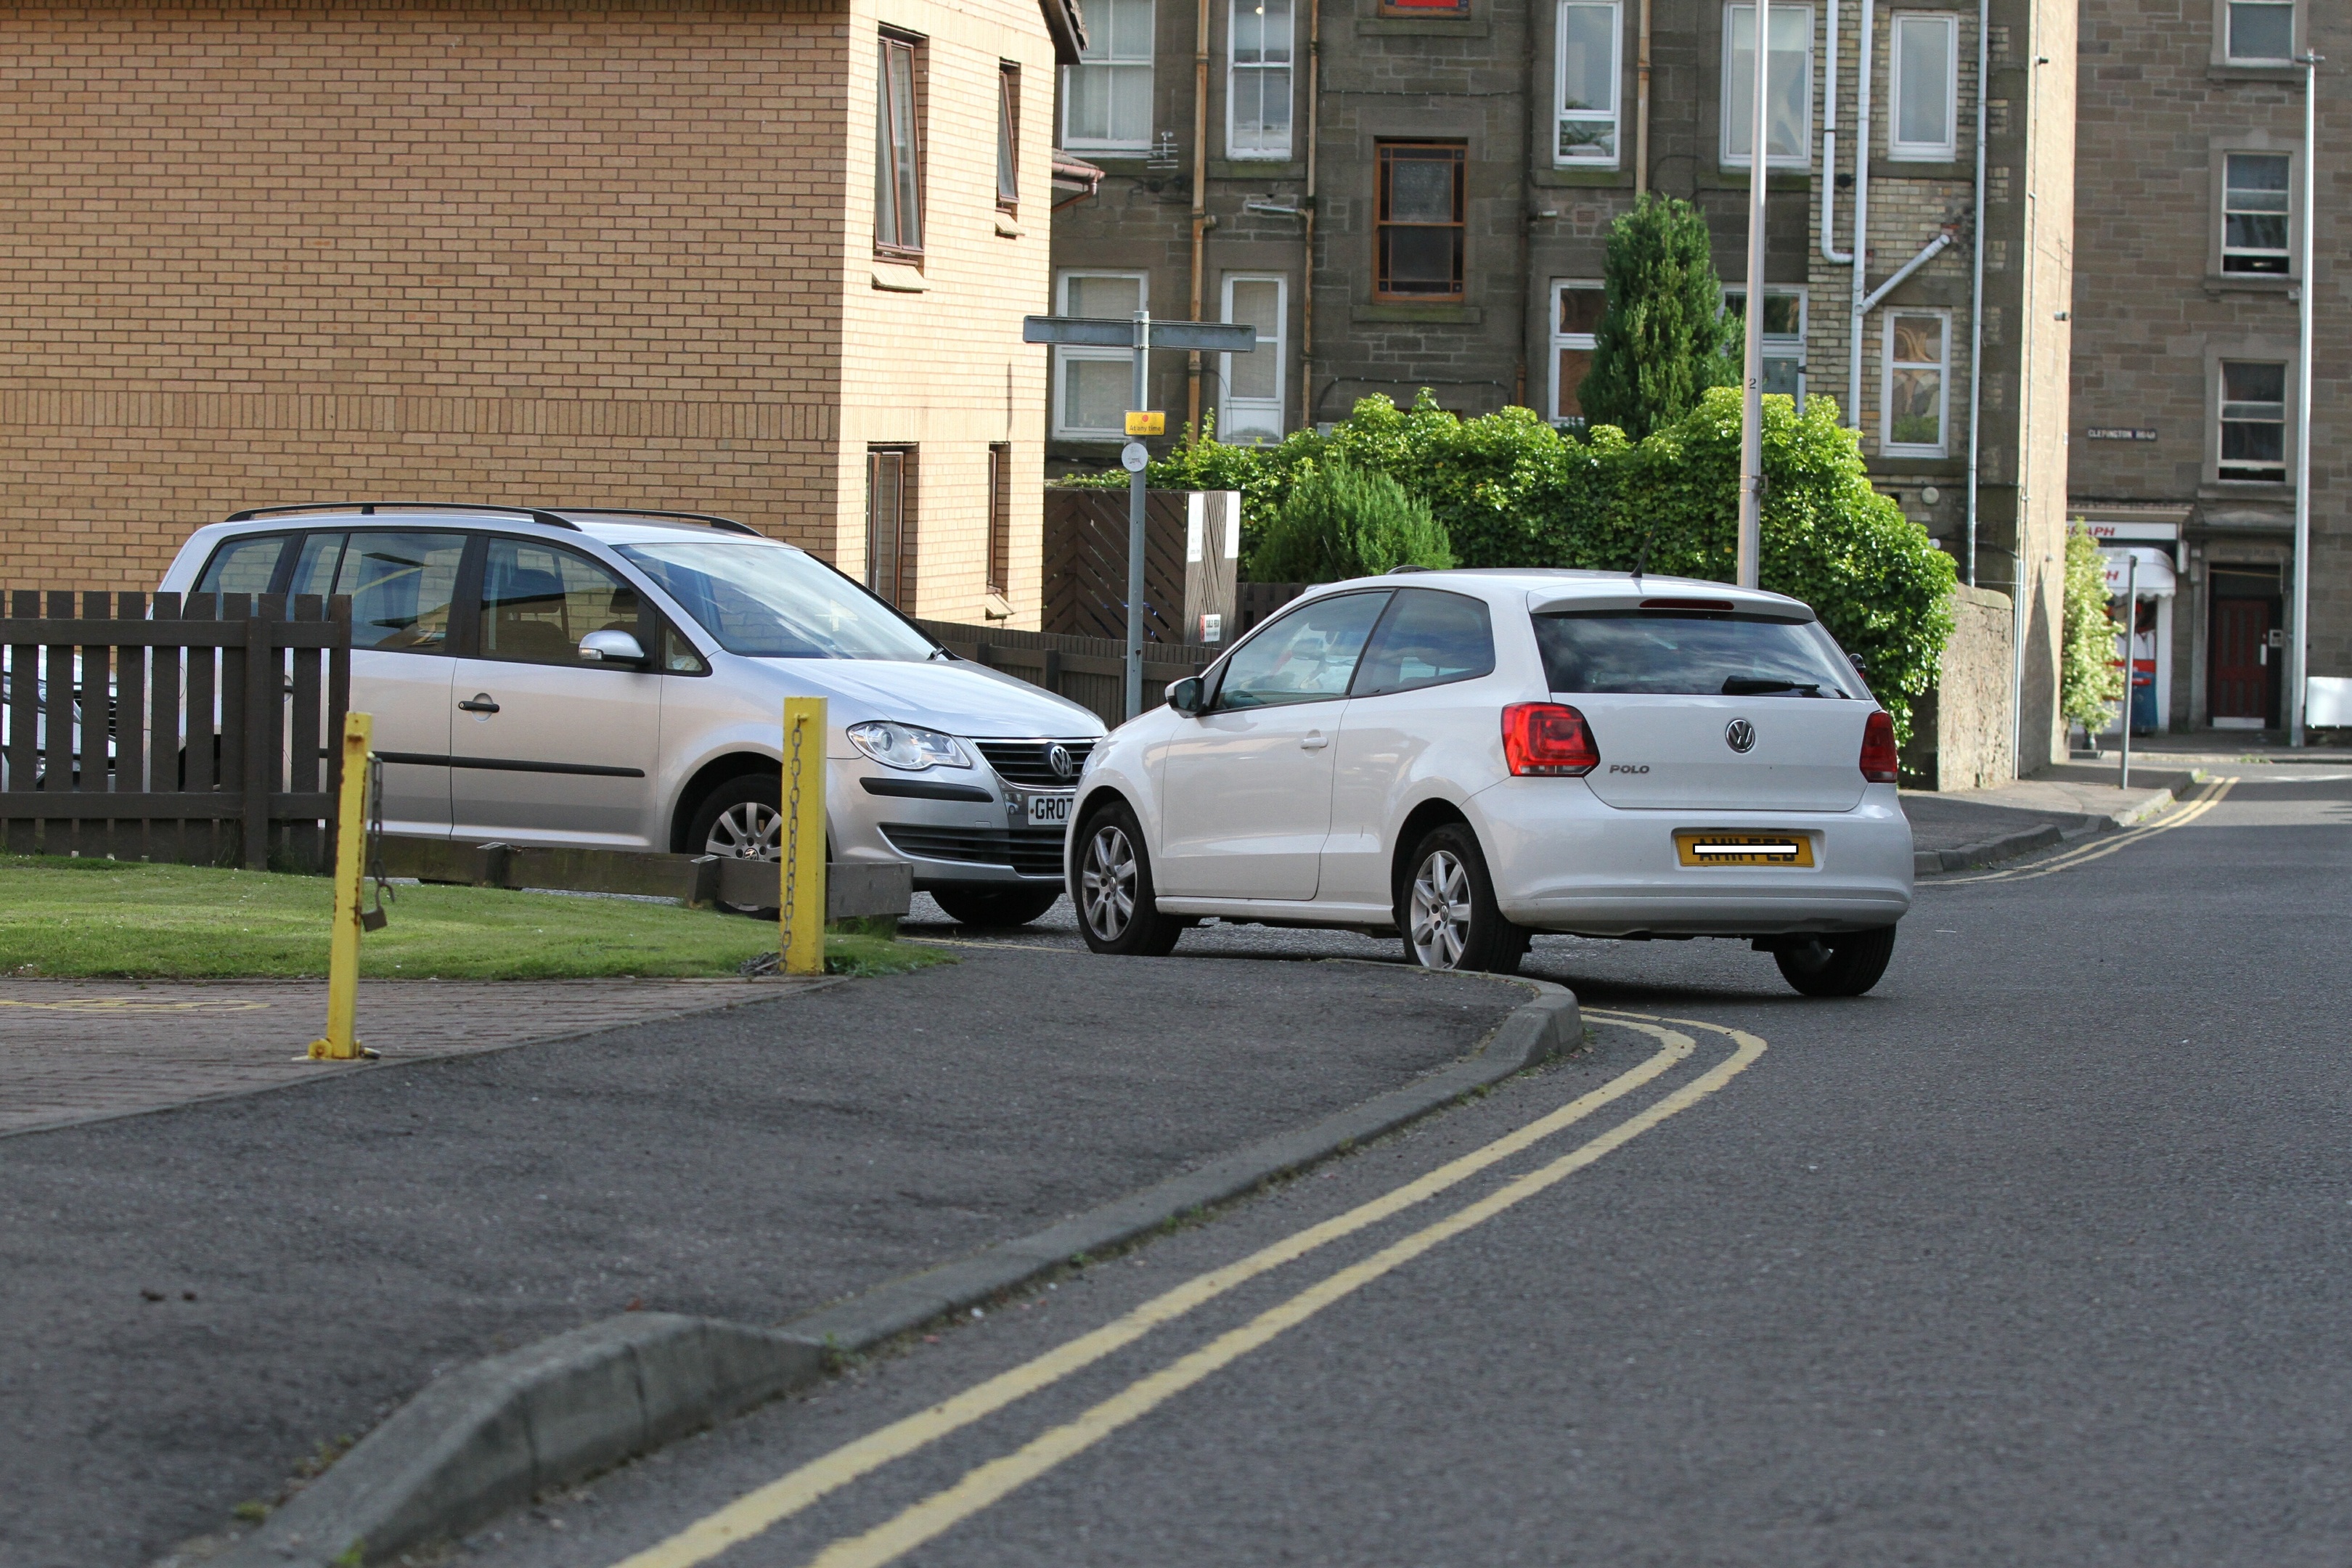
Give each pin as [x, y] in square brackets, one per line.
[192, 730]
[1086, 564]
[1089, 671]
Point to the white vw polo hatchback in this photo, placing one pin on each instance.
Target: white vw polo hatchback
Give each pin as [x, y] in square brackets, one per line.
[1471, 757]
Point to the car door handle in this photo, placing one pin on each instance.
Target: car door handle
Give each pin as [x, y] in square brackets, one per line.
[1313, 740]
[481, 703]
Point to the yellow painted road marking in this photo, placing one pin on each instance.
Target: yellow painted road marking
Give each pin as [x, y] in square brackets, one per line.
[2084, 856]
[757, 1510]
[988, 1483]
[114, 1004]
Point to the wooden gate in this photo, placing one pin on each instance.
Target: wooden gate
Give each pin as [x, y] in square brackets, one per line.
[197, 730]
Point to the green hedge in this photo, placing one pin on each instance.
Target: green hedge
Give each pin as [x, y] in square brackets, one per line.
[1510, 490]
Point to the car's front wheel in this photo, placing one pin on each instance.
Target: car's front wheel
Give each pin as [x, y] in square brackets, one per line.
[1449, 914]
[743, 819]
[1845, 965]
[995, 906]
[1112, 888]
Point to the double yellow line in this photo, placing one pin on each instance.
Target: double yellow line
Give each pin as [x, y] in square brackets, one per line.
[768, 1505]
[2212, 797]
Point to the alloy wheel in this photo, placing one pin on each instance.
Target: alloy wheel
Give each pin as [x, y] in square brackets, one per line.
[748, 830]
[1440, 910]
[1107, 882]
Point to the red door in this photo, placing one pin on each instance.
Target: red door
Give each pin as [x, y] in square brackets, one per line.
[2241, 673]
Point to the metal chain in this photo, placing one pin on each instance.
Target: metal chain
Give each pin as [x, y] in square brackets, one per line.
[792, 834]
[375, 918]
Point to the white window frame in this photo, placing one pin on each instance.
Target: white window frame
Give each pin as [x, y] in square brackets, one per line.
[1099, 39]
[1803, 157]
[1563, 116]
[1782, 345]
[1947, 148]
[1235, 68]
[1560, 339]
[2287, 254]
[1278, 346]
[1887, 446]
[2228, 9]
[1063, 355]
[2219, 416]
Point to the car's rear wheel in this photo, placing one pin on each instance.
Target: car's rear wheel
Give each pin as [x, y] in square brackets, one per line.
[1112, 888]
[743, 819]
[1845, 965]
[1449, 914]
[995, 906]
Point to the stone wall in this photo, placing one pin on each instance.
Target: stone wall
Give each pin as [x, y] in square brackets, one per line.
[1963, 734]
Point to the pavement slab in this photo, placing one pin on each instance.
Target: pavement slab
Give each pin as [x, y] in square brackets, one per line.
[200, 1297]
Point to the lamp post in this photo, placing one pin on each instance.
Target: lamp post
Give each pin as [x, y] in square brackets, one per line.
[2299, 656]
[1751, 416]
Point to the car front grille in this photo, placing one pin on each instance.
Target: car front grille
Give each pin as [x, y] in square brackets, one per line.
[1031, 851]
[1023, 762]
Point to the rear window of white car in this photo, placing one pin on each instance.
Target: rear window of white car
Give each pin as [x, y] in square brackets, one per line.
[1690, 653]
[768, 603]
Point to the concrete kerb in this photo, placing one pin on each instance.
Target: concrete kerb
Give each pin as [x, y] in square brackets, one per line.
[493, 1435]
[2009, 846]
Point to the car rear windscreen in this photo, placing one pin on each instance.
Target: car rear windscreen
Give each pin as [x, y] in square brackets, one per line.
[1688, 653]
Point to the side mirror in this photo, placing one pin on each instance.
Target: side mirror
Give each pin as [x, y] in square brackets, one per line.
[611, 647]
[1188, 695]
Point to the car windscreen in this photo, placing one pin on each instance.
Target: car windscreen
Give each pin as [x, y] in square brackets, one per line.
[769, 603]
[1690, 653]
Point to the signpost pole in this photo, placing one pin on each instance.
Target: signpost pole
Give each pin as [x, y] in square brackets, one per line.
[1135, 528]
[2131, 654]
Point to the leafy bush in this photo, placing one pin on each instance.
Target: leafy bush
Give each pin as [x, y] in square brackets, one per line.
[1507, 489]
[2090, 682]
[1339, 521]
[1664, 339]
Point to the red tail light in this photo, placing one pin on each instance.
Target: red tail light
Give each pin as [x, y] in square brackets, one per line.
[1879, 764]
[1548, 740]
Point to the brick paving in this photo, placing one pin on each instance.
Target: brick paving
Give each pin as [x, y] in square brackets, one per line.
[79, 1050]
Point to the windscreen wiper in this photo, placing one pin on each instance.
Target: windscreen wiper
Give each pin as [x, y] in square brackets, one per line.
[1757, 686]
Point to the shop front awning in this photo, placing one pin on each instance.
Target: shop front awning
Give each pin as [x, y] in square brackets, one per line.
[2155, 578]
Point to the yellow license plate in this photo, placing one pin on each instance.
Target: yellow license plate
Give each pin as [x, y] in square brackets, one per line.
[1744, 848]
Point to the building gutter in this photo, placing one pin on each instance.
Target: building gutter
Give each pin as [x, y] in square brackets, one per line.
[1863, 74]
[1307, 241]
[1200, 209]
[1830, 252]
[1976, 277]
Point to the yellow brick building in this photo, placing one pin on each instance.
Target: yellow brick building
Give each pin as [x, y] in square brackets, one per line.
[619, 254]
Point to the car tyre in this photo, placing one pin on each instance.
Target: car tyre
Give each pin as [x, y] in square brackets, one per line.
[1112, 884]
[984, 906]
[1845, 965]
[1446, 907]
[743, 819]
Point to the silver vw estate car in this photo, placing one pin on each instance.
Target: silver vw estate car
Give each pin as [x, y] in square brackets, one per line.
[617, 679]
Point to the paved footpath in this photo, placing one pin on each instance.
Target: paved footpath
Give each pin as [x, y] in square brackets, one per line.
[81, 1050]
[196, 1299]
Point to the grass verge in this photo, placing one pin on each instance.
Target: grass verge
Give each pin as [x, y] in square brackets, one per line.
[125, 919]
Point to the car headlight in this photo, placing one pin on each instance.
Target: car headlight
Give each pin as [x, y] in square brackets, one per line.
[905, 746]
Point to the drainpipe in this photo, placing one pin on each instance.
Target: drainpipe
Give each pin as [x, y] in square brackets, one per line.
[1642, 105]
[1200, 210]
[1976, 277]
[1830, 252]
[1307, 261]
[1862, 73]
[1928, 252]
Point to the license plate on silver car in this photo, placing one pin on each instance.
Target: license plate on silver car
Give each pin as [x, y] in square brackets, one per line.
[1050, 810]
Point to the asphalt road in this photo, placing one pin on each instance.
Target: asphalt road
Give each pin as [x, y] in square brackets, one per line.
[193, 1301]
[2040, 1255]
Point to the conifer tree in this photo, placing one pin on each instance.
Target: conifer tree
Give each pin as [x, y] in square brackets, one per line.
[1664, 338]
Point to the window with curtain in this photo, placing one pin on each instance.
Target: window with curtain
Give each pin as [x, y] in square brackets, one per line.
[1589, 33]
[1258, 79]
[1091, 386]
[1922, 121]
[1420, 228]
[898, 154]
[2255, 207]
[1788, 100]
[1251, 408]
[1918, 352]
[1106, 96]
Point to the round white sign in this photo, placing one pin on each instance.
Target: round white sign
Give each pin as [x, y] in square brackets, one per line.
[1133, 457]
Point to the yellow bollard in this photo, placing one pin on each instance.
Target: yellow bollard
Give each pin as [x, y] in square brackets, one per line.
[351, 851]
[800, 908]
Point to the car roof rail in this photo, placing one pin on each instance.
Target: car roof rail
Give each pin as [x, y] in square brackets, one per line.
[725, 525]
[368, 508]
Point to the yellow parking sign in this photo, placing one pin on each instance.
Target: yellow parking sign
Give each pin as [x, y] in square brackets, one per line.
[1146, 424]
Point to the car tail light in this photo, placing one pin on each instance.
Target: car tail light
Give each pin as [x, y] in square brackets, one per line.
[1879, 763]
[1548, 740]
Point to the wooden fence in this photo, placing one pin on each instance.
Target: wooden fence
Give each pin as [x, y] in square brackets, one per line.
[1086, 564]
[1089, 671]
[196, 728]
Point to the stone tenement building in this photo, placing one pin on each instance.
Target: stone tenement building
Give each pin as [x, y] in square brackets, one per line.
[2185, 339]
[1408, 193]
[760, 257]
